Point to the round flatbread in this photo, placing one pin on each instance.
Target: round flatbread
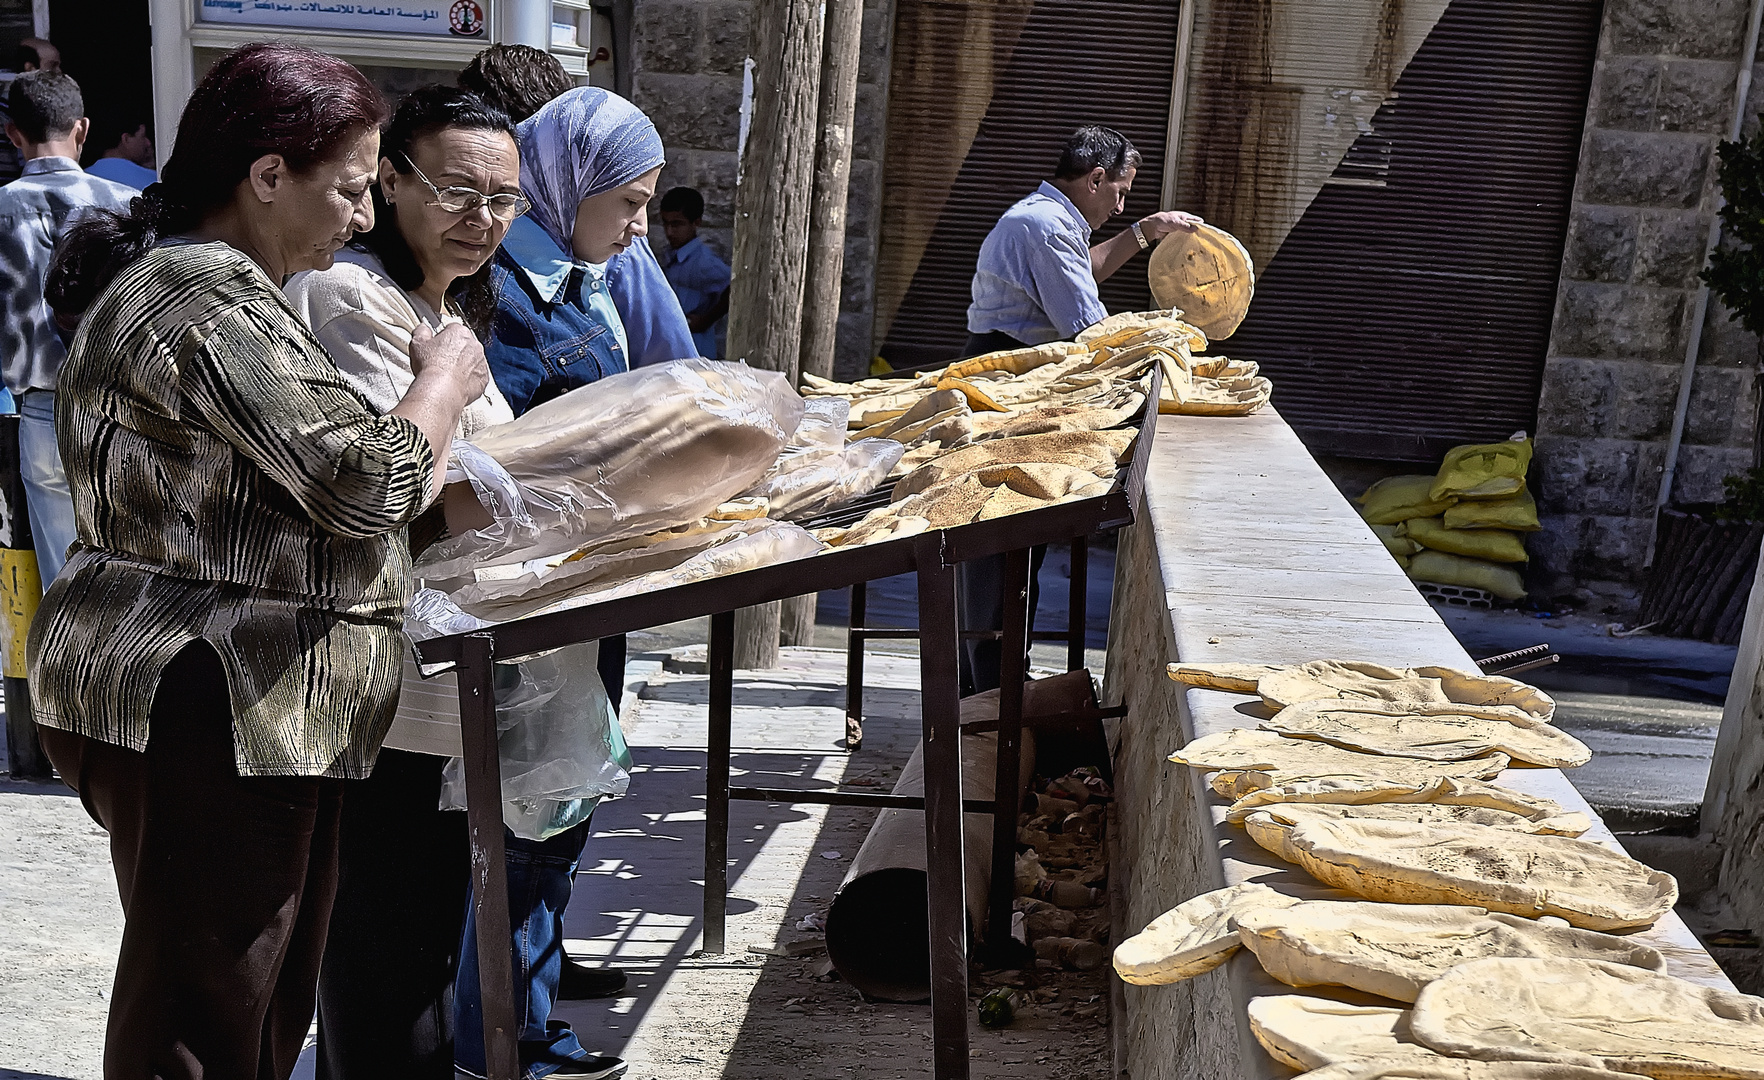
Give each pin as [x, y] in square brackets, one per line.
[1206, 273]
[1525, 874]
[1585, 1012]
[1281, 759]
[1271, 826]
[1435, 732]
[1394, 950]
[1444, 790]
[1192, 938]
[1309, 1032]
[1444, 1068]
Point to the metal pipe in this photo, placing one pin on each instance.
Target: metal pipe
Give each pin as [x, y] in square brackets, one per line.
[1700, 311]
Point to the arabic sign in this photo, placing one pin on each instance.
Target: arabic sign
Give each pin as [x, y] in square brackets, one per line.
[448, 18]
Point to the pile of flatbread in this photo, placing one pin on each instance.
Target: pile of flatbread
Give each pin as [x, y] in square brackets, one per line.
[1015, 430]
[1492, 928]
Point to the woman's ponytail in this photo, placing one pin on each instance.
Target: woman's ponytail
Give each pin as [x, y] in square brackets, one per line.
[102, 244]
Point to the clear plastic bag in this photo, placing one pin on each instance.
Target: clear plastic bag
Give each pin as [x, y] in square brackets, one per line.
[559, 743]
[634, 453]
[812, 482]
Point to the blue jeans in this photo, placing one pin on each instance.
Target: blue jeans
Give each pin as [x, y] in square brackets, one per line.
[539, 873]
[46, 494]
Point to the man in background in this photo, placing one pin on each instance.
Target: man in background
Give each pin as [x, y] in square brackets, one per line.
[48, 126]
[699, 278]
[1037, 274]
[33, 54]
[124, 142]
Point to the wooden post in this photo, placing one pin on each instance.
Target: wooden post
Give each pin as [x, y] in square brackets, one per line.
[771, 227]
[826, 238]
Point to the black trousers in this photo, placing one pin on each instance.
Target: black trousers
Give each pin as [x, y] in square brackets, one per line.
[385, 991]
[226, 885]
[991, 341]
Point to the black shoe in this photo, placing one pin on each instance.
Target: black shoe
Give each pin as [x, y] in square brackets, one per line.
[592, 1067]
[581, 982]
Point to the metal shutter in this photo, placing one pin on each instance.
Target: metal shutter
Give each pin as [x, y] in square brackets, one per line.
[1097, 62]
[1409, 308]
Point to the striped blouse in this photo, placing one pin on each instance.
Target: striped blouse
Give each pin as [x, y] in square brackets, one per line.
[229, 487]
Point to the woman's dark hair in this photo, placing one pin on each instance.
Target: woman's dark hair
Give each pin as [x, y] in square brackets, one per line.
[263, 98]
[516, 78]
[423, 113]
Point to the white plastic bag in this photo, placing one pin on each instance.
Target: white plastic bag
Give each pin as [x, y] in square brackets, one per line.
[631, 454]
[811, 482]
[559, 743]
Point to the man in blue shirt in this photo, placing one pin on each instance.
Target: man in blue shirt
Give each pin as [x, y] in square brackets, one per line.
[699, 278]
[125, 142]
[1037, 273]
[47, 126]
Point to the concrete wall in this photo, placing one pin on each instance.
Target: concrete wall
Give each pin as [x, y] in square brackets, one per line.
[1661, 99]
[687, 63]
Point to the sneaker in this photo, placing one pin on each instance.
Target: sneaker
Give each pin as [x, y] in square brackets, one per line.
[580, 982]
[592, 1067]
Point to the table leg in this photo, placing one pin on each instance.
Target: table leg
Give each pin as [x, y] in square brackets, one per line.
[716, 788]
[483, 776]
[941, 720]
[854, 666]
[1011, 672]
[1076, 598]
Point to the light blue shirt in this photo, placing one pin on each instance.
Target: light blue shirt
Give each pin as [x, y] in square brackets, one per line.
[698, 278]
[123, 171]
[1033, 279]
[549, 271]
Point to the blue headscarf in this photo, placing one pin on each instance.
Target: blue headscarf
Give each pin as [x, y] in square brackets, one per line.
[577, 145]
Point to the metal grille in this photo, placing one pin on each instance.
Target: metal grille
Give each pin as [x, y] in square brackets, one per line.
[1097, 62]
[1409, 308]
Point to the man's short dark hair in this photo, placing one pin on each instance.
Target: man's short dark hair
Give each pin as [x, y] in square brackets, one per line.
[45, 105]
[683, 201]
[1094, 146]
[516, 79]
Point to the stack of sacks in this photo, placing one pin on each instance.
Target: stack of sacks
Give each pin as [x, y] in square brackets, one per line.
[1460, 526]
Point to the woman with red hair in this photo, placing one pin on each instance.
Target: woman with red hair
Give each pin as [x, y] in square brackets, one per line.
[224, 646]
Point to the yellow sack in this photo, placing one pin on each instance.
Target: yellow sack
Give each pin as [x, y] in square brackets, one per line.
[1396, 543]
[1442, 568]
[1493, 471]
[1518, 512]
[1495, 545]
[1399, 498]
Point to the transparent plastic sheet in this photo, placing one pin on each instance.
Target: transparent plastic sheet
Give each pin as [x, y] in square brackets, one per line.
[557, 740]
[631, 454]
[662, 562]
[809, 483]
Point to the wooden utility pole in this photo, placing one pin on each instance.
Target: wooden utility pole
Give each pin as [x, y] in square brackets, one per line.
[842, 40]
[771, 227]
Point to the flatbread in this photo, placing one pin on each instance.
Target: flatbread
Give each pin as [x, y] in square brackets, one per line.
[1444, 1068]
[1449, 732]
[1357, 680]
[1283, 759]
[1206, 273]
[1585, 883]
[1584, 1012]
[1445, 790]
[1309, 1032]
[1394, 950]
[1271, 826]
[1192, 938]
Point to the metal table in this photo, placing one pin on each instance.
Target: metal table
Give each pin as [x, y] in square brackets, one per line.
[933, 556]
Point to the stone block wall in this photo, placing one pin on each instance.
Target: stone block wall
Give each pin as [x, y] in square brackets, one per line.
[687, 63]
[1661, 99]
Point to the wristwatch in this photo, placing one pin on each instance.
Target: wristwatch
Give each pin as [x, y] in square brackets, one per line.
[1139, 235]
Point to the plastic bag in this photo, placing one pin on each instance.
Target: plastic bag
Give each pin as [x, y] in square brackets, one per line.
[1491, 471]
[634, 453]
[809, 483]
[559, 743]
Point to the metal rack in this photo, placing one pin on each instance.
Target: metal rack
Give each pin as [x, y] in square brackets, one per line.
[933, 556]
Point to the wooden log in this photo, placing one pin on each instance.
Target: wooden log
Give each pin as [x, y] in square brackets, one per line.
[772, 199]
[1722, 581]
[1670, 532]
[841, 42]
[1697, 548]
[1731, 623]
[796, 620]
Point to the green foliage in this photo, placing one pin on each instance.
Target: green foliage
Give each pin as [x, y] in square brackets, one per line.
[1745, 497]
[1736, 268]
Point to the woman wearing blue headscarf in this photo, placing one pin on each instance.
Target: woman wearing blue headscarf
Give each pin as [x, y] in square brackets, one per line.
[572, 305]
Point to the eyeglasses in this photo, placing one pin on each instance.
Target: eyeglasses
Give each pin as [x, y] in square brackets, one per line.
[465, 200]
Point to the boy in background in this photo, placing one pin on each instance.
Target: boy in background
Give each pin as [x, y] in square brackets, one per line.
[700, 279]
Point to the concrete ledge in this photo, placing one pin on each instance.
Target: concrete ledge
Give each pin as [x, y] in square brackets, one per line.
[1244, 551]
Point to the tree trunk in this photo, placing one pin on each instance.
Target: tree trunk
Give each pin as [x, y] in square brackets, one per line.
[826, 239]
[796, 620]
[771, 227]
